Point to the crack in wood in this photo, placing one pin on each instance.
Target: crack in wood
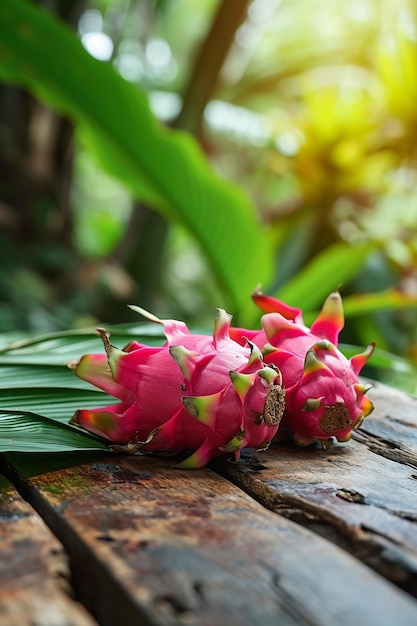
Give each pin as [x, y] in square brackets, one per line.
[387, 449]
[35, 576]
[350, 495]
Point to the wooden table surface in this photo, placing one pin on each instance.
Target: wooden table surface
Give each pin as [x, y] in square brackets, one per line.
[287, 537]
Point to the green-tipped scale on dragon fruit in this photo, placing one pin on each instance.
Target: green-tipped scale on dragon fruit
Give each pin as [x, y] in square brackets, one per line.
[324, 397]
[205, 394]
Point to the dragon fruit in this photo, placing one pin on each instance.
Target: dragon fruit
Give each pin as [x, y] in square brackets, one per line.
[205, 394]
[324, 397]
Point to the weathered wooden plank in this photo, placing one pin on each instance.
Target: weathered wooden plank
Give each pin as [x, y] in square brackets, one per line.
[34, 572]
[361, 495]
[391, 430]
[157, 546]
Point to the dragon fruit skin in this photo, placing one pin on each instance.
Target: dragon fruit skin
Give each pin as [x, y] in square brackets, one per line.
[209, 395]
[324, 397]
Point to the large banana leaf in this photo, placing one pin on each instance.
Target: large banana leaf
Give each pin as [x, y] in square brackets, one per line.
[162, 167]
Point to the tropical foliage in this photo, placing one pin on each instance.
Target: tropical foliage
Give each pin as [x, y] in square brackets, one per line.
[208, 147]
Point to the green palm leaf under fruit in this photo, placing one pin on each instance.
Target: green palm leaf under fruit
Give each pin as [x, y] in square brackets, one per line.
[39, 394]
[29, 432]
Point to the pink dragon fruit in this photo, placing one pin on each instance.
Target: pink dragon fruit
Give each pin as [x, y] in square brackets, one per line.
[208, 395]
[324, 397]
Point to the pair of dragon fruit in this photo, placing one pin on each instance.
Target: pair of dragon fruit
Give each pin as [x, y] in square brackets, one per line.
[239, 388]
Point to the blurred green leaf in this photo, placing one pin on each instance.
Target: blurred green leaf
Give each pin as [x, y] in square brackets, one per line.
[360, 304]
[162, 167]
[337, 264]
[389, 368]
[383, 360]
[367, 303]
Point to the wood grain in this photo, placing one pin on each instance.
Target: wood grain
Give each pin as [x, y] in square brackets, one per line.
[361, 495]
[156, 546]
[391, 430]
[34, 575]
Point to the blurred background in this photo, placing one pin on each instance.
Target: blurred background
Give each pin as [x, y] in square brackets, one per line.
[310, 108]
